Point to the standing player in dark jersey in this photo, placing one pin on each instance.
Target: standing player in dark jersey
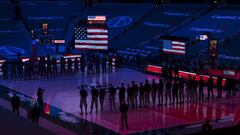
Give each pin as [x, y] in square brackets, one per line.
[54, 63]
[154, 92]
[141, 95]
[160, 87]
[83, 100]
[147, 88]
[135, 90]
[195, 86]
[94, 100]
[112, 93]
[210, 87]
[122, 94]
[76, 65]
[219, 87]
[130, 98]
[181, 90]
[102, 93]
[175, 91]
[200, 89]
[63, 62]
[168, 91]
[69, 65]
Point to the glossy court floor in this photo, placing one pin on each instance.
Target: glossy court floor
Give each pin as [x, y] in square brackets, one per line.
[62, 92]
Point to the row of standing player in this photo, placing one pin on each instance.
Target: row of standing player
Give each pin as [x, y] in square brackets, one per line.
[49, 67]
[173, 91]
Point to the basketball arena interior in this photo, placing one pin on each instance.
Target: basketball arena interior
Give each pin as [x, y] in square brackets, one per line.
[119, 67]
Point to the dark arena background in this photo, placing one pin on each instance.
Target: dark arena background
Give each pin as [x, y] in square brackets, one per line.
[110, 67]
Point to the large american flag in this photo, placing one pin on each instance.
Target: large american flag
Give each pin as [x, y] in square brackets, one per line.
[91, 37]
[174, 47]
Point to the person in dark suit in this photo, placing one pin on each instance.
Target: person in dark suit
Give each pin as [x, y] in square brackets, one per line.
[40, 93]
[15, 101]
[83, 100]
[124, 115]
[35, 113]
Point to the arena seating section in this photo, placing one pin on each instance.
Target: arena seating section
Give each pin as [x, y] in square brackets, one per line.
[123, 11]
[11, 31]
[58, 15]
[216, 22]
[140, 35]
[156, 23]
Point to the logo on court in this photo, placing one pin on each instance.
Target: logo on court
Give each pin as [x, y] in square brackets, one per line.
[120, 21]
[10, 50]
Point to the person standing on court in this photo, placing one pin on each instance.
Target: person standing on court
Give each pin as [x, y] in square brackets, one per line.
[69, 65]
[112, 93]
[147, 88]
[219, 86]
[83, 100]
[141, 95]
[15, 101]
[154, 91]
[76, 68]
[40, 93]
[210, 87]
[181, 90]
[54, 63]
[200, 88]
[135, 90]
[175, 91]
[102, 93]
[130, 96]
[49, 66]
[160, 87]
[94, 100]
[168, 91]
[122, 93]
[63, 62]
[124, 115]
[35, 113]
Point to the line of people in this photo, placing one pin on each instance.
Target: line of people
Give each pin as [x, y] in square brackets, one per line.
[47, 66]
[163, 92]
